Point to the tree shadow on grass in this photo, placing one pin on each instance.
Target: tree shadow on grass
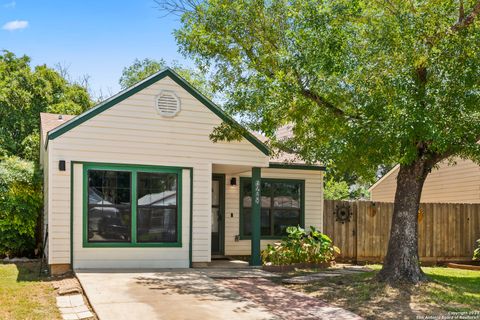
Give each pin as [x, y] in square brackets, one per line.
[364, 295]
[27, 271]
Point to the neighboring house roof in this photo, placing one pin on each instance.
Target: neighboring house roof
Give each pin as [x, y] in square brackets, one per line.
[385, 176]
[285, 159]
[122, 95]
[49, 121]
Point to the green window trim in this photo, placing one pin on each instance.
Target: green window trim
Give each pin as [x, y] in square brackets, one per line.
[133, 169]
[243, 180]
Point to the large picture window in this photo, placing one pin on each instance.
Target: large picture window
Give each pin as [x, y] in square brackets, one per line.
[132, 206]
[281, 206]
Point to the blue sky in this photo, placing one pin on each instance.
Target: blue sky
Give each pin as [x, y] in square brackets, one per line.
[91, 37]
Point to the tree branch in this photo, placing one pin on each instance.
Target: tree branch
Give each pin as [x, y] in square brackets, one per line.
[467, 20]
[463, 22]
[176, 7]
[307, 93]
[461, 11]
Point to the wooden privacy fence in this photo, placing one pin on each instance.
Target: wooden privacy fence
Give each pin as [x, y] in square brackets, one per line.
[446, 231]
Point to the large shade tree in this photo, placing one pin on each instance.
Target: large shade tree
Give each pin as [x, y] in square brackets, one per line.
[363, 82]
[25, 91]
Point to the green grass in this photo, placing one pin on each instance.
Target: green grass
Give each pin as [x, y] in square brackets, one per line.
[24, 295]
[448, 290]
[458, 290]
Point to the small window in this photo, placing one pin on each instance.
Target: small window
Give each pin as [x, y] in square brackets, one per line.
[167, 104]
[281, 207]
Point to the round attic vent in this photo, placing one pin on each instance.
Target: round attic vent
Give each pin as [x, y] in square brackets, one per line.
[167, 104]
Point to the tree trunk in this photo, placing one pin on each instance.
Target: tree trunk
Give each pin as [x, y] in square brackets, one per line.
[401, 263]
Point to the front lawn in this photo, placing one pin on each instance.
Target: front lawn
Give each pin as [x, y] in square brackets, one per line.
[450, 290]
[24, 295]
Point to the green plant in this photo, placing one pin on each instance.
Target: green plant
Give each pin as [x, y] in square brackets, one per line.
[20, 206]
[301, 247]
[476, 252]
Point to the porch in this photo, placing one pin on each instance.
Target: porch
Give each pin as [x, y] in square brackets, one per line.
[252, 207]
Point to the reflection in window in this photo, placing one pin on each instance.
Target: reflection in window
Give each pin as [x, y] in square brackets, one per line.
[281, 206]
[109, 206]
[156, 207]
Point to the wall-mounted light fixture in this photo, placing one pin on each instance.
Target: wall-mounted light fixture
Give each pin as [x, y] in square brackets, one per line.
[233, 182]
[61, 165]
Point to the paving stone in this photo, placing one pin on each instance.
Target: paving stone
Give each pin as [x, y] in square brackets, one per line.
[64, 302]
[82, 308]
[66, 310]
[286, 303]
[68, 290]
[70, 316]
[76, 300]
[85, 315]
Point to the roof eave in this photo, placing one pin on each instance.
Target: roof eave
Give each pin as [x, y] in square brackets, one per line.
[297, 166]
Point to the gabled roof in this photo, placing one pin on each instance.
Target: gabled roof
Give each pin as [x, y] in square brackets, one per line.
[385, 176]
[122, 95]
[49, 121]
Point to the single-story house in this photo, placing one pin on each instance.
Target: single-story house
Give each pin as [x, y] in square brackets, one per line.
[136, 182]
[449, 183]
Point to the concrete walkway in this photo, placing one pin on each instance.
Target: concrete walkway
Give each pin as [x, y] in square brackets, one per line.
[199, 294]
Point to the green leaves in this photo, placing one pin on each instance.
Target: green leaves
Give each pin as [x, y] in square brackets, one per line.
[20, 206]
[363, 83]
[141, 69]
[24, 93]
[301, 247]
[476, 252]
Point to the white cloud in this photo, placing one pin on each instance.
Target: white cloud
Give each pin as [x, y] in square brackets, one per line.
[10, 4]
[15, 25]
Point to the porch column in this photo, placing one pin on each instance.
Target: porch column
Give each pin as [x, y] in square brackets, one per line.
[255, 259]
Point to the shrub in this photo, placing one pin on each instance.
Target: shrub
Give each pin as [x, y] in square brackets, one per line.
[476, 252]
[301, 247]
[20, 206]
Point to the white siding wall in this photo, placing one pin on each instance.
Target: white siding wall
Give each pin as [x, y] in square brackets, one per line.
[447, 183]
[313, 205]
[132, 132]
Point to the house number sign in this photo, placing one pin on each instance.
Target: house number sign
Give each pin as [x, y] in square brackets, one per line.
[257, 192]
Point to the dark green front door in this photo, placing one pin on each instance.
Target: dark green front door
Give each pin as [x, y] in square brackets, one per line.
[218, 214]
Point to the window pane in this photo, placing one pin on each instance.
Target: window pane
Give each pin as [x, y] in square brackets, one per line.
[156, 207]
[266, 194]
[109, 206]
[247, 222]
[156, 224]
[265, 225]
[283, 218]
[265, 228]
[287, 195]
[215, 193]
[247, 193]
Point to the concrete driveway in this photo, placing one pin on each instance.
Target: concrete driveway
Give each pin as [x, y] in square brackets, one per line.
[176, 294]
[197, 294]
